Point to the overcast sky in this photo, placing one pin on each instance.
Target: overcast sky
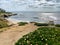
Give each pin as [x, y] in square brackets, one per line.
[21, 5]
[15, 5]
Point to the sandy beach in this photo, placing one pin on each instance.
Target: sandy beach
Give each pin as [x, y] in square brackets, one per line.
[14, 33]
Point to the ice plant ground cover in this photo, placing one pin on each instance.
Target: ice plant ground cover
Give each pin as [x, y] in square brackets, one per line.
[41, 36]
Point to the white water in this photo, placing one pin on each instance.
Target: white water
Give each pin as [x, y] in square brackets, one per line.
[35, 17]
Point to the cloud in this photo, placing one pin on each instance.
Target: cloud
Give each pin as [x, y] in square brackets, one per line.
[20, 5]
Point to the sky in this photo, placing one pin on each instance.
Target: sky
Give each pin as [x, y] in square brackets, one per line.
[23, 5]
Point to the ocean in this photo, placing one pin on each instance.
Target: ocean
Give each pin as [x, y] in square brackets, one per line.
[35, 17]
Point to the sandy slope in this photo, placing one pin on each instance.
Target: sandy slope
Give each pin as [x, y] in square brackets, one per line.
[14, 33]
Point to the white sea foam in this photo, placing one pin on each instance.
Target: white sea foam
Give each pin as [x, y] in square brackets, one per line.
[35, 17]
[15, 20]
[53, 17]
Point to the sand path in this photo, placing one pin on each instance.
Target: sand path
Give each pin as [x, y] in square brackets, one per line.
[14, 33]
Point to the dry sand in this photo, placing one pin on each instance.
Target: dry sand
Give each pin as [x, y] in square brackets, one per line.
[14, 33]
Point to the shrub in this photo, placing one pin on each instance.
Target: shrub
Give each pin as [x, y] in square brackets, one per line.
[3, 24]
[41, 36]
[33, 22]
[41, 24]
[57, 25]
[22, 23]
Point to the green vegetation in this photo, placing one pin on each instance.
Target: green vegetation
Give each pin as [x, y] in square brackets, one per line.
[2, 10]
[57, 25]
[41, 36]
[4, 14]
[3, 24]
[41, 24]
[33, 22]
[22, 23]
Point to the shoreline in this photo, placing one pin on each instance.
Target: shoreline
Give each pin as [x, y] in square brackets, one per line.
[13, 21]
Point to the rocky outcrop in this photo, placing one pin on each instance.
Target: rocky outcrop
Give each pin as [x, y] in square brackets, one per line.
[5, 15]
